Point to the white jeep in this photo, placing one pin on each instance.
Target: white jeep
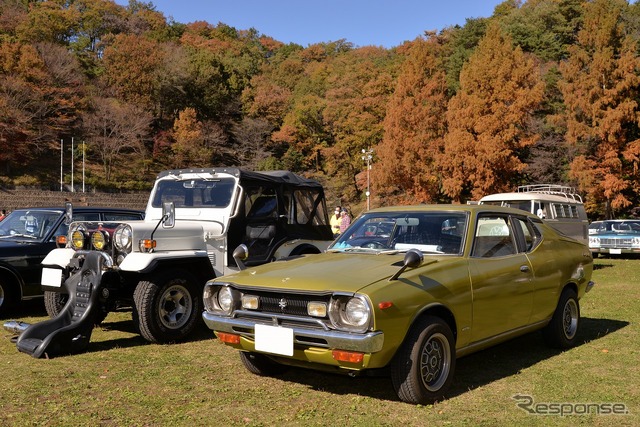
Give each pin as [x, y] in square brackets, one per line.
[194, 220]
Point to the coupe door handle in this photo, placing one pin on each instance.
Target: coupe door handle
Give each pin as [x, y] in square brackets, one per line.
[524, 268]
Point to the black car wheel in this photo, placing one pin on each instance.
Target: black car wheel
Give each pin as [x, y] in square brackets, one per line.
[423, 368]
[168, 308]
[6, 297]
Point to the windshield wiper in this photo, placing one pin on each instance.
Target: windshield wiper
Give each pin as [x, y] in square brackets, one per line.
[19, 235]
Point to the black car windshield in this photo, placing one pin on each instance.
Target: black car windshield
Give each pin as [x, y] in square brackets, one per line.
[25, 224]
[615, 227]
[391, 232]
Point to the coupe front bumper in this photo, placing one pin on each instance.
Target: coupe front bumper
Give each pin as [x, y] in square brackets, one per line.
[306, 332]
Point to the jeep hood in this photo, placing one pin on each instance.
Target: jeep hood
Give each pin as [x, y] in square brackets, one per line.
[346, 272]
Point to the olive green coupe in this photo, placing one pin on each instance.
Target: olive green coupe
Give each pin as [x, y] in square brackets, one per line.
[409, 289]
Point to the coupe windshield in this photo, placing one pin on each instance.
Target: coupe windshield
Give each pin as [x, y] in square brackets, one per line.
[430, 232]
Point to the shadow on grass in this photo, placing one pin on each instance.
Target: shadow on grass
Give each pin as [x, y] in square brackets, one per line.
[601, 266]
[473, 371]
[35, 309]
[30, 308]
[200, 333]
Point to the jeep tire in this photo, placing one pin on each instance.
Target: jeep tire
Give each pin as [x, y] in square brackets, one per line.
[54, 301]
[168, 307]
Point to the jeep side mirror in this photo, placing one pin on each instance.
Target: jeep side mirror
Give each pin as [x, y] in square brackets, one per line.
[168, 215]
[413, 258]
[68, 213]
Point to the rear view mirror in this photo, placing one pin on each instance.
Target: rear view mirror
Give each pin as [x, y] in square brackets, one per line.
[68, 213]
[168, 215]
[405, 222]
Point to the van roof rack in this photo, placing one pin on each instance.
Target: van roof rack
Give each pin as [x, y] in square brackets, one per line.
[560, 190]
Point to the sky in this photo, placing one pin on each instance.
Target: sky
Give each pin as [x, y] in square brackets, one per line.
[386, 23]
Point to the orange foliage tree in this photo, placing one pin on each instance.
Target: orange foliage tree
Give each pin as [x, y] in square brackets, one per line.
[414, 127]
[600, 89]
[488, 119]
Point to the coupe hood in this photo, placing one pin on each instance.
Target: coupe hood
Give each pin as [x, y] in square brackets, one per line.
[347, 272]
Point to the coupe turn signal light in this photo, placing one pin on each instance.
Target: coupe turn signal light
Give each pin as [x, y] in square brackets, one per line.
[228, 338]
[348, 356]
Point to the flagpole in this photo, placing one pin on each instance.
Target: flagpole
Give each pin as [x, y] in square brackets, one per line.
[72, 187]
[61, 156]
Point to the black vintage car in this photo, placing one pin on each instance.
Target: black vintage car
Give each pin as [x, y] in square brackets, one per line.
[28, 235]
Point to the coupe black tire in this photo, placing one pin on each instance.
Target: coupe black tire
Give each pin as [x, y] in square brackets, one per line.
[562, 330]
[260, 364]
[423, 368]
[168, 308]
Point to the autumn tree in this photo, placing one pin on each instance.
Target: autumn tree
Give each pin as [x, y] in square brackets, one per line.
[359, 86]
[414, 127]
[189, 148]
[600, 88]
[112, 129]
[131, 67]
[488, 119]
[40, 98]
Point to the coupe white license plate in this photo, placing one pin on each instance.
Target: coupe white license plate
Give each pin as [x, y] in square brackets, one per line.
[615, 251]
[51, 277]
[274, 339]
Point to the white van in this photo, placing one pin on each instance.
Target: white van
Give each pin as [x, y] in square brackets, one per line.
[560, 206]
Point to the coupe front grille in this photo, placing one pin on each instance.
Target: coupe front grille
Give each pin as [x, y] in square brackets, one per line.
[291, 304]
[285, 303]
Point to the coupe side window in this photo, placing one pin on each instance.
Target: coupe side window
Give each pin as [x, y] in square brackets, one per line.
[493, 238]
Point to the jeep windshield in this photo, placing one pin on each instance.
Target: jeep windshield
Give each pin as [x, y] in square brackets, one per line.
[195, 193]
[393, 232]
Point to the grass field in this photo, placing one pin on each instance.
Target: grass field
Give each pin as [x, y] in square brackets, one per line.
[122, 381]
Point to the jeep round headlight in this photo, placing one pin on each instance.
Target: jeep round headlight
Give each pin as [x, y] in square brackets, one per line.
[122, 238]
[77, 235]
[98, 240]
[77, 239]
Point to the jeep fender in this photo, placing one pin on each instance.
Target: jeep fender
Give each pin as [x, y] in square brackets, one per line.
[59, 257]
[300, 246]
[142, 262]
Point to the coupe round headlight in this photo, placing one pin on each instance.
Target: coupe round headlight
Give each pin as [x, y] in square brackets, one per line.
[350, 313]
[357, 312]
[122, 238]
[225, 299]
